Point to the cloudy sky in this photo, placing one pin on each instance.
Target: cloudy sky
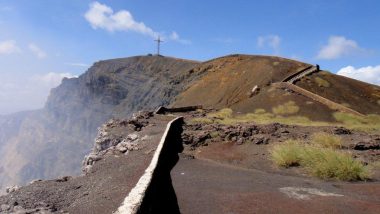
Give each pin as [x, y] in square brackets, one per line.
[43, 41]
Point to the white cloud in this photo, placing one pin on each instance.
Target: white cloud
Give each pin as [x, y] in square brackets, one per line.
[175, 37]
[9, 47]
[369, 74]
[103, 17]
[26, 93]
[338, 46]
[37, 51]
[271, 41]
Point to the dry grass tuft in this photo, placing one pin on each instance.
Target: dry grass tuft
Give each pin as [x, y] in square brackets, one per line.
[287, 108]
[325, 140]
[368, 123]
[321, 82]
[221, 114]
[260, 111]
[287, 154]
[201, 120]
[324, 163]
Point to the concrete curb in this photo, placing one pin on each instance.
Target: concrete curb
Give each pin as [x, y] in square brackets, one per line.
[133, 201]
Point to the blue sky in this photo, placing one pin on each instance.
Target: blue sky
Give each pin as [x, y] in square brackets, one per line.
[42, 41]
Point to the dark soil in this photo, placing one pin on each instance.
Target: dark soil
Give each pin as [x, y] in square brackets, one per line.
[247, 145]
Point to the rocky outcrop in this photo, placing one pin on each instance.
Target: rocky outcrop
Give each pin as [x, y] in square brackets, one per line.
[196, 135]
[111, 139]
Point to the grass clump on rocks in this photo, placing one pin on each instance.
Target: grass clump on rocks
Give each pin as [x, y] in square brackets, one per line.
[319, 159]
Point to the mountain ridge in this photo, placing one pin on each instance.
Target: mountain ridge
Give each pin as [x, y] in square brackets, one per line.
[52, 142]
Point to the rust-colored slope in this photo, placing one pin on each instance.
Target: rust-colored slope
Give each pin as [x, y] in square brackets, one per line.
[357, 95]
[229, 80]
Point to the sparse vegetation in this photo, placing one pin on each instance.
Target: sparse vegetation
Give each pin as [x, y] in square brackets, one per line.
[221, 114]
[321, 82]
[367, 123]
[225, 116]
[324, 163]
[287, 108]
[201, 120]
[260, 111]
[325, 140]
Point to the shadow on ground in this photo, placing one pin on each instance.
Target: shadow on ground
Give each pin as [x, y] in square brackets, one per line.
[160, 196]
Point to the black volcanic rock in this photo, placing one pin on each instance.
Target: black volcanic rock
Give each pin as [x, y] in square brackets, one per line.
[53, 141]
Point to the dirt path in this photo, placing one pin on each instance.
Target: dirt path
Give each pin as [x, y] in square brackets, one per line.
[208, 187]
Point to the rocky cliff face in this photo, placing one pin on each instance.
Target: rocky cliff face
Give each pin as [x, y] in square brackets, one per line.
[53, 141]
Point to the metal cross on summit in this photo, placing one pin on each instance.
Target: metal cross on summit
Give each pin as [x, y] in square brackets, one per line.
[159, 41]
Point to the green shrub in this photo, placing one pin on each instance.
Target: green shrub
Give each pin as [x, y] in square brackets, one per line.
[326, 140]
[287, 108]
[324, 163]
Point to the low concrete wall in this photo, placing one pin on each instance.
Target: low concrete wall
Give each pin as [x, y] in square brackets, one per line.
[163, 110]
[153, 192]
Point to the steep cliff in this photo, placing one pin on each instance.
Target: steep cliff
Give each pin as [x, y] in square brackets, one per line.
[53, 141]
